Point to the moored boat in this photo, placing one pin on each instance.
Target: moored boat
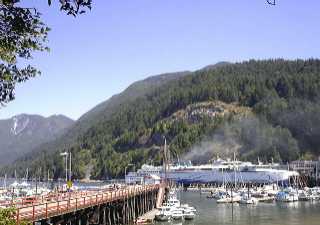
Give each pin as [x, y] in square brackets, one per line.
[284, 196]
[245, 199]
[164, 214]
[177, 214]
[189, 215]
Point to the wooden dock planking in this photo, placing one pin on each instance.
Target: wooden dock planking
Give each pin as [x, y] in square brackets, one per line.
[46, 207]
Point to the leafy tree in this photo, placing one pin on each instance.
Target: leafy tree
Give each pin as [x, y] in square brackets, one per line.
[7, 217]
[21, 34]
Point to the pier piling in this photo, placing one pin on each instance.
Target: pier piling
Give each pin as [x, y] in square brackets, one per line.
[118, 207]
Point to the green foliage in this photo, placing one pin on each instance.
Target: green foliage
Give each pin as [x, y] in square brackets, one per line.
[21, 33]
[259, 139]
[283, 94]
[7, 217]
[300, 116]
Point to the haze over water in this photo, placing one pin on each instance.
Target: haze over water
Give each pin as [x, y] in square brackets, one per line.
[210, 213]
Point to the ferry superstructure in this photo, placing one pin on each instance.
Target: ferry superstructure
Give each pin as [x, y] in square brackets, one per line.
[219, 171]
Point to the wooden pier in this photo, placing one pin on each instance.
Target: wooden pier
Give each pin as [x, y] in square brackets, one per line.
[114, 207]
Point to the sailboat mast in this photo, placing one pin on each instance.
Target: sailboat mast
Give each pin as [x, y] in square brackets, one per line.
[165, 159]
[223, 182]
[70, 173]
[66, 167]
[317, 173]
[5, 181]
[234, 169]
[168, 158]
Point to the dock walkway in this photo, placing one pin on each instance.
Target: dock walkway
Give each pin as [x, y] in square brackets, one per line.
[46, 208]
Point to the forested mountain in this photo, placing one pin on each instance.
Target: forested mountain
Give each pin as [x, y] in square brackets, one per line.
[112, 105]
[266, 109]
[97, 114]
[22, 133]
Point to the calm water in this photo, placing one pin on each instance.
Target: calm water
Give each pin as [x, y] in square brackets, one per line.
[210, 213]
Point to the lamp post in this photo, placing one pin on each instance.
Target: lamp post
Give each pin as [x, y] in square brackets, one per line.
[65, 154]
[125, 170]
[70, 173]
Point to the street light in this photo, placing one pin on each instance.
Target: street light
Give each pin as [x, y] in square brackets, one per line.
[66, 154]
[125, 170]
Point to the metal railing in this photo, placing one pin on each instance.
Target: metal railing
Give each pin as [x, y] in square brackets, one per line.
[73, 202]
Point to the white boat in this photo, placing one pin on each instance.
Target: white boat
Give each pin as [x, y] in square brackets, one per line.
[245, 199]
[284, 196]
[173, 209]
[177, 214]
[15, 185]
[164, 214]
[314, 193]
[189, 215]
[229, 198]
[187, 207]
[219, 171]
[304, 196]
[314, 197]
[260, 194]
[172, 202]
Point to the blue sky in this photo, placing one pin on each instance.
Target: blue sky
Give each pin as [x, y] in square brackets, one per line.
[100, 53]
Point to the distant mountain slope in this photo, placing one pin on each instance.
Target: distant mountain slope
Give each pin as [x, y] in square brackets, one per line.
[104, 110]
[22, 133]
[138, 89]
[281, 96]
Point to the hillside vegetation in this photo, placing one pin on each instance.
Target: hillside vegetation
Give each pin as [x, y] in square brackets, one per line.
[266, 109]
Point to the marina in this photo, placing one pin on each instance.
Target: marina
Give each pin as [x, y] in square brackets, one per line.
[172, 193]
[194, 205]
[234, 191]
[173, 210]
[274, 213]
[159, 112]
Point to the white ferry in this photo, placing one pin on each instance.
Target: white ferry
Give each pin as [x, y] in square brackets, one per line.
[219, 171]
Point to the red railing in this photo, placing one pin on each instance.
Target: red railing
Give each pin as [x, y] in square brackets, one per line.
[72, 202]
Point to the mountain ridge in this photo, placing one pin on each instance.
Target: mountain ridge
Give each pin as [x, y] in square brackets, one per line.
[132, 133]
[21, 133]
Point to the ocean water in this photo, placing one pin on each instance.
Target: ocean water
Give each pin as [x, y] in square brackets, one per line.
[211, 213]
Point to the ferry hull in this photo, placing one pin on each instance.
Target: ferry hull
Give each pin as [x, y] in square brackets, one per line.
[218, 172]
[239, 177]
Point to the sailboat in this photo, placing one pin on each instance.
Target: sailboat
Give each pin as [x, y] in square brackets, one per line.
[248, 199]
